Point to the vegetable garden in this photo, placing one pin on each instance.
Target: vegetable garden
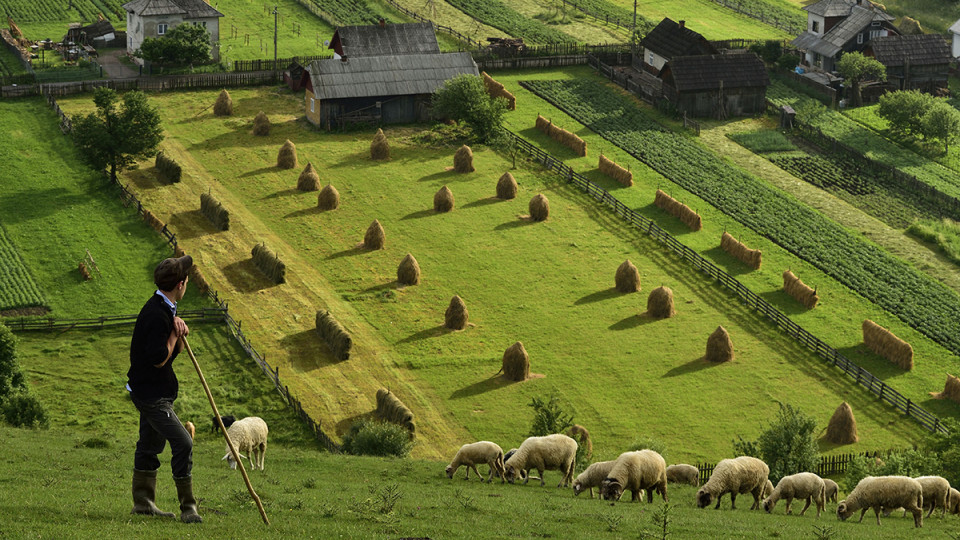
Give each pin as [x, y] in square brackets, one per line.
[50, 11]
[498, 15]
[17, 287]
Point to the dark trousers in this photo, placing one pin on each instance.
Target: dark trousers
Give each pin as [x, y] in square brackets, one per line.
[159, 424]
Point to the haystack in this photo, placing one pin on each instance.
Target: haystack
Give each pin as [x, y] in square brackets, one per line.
[261, 124]
[456, 315]
[443, 200]
[516, 363]
[268, 263]
[660, 303]
[673, 207]
[751, 257]
[335, 336]
[287, 158]
[506, 187]
[539, 207]
[329, 198]
[910, 26]
[582, 436]
[379, 147]
[798, 290]
[842, 428]
[309, 180]
[882, 341]
[463, 160]
[408, 273]
[719, 346]
[374, 238]
[391, 409]
[211, 208]
[627, 278]
[223, 105]
[618, 173]
[951, 390]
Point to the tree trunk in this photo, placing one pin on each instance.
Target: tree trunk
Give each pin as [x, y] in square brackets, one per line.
[113, 171]
[857, 98]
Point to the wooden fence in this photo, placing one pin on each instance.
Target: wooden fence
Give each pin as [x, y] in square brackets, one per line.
[47, 324]
[265, 64]
[149, 84]
[825, 92]
[828, 466]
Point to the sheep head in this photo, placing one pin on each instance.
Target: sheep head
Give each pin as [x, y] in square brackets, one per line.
[450, 470]
[611, 490]
[512, 473]
[230, 460]
[578, 487]
[844, 511]
[704, 498]
[769, 505]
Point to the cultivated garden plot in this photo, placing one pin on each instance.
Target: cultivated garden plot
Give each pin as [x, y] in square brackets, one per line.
[18, 289]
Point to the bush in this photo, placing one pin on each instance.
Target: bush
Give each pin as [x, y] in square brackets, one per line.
[787, 62]
[904, 109]
[548, 417]
[788, 446]
[743, 447]
[465, 98]
[372, 438]
[947, 448]
[770, 51]
[11, 378]
[22, 409]
[910, 463]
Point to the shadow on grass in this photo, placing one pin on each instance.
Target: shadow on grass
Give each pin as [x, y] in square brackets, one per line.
[514, 224]
[343, 426]
[313, 210]
[283, 193]
[352, 252]
[420, 214]
[245, 277]
[35, 204]
[692, 366]
[449, 174]
[729, 263]
[191, 224]
[356, 161]
[598, 296]
[633, 321]
[307, 350]
[436, 331]
[261, 170]
[482, 202]
[145, 178]
[787, 304]
[492, 383]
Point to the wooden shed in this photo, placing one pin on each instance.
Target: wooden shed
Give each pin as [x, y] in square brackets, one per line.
[716, 85]
[916, 62]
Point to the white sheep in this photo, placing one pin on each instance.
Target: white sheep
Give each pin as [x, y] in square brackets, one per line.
[592, 477]
[248, 435]
[683, 474]
[555, 452]
[635, 471]
[880, 492]
[936, 493]
[735, 476]
[471, 455]
[830, 490]
[767, 489]
[953, 503]
[805, 485]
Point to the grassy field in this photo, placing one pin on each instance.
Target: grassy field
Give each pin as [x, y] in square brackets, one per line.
[709, 19]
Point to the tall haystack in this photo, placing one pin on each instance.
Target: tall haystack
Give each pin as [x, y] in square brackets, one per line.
[456, 315]
[660, 303]
[842, 428]
[391, 409]
[223, 105]
[379, 147]
[800, 291]
[309, 180]
[719, 346]
[516, 363]
[751, 257]
[539, 207]
[287, 157]
[582, 436]
[408, 273]
[334, 334]
[627, 278]
[375, 237]
[951, 390]
[261, 124]
[884, 343]
[443, 200]
[506, 187]
[463, 160]
[329, 198]
[910, 26]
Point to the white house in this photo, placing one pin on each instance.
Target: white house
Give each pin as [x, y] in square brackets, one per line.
[955, 32]
[154, 18]
[838, 26]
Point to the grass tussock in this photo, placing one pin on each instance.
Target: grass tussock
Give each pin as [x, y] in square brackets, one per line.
[945, 233]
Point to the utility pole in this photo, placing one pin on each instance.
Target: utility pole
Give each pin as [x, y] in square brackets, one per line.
[633, 34]
[275, 38]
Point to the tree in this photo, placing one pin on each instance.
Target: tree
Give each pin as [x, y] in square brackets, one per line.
[117, 138]
[184, 44]
[941, 122]
[465, 98]
[787, 446]
[855, 67]
[904, 109]
[11, 378]
[548, 417]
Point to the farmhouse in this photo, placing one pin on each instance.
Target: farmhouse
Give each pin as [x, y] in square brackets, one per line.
[917, 62]
[153, 18]
[838, 26]
[669, 40]
[384, 40]
[716, 85]
[955, 36]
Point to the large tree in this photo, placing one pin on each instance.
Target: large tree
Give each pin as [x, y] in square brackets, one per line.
[904, 110]
[855, 68]
[941, 122]
[465, 98]
[116, 137]
[184, 44]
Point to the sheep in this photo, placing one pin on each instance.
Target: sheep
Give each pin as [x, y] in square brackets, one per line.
[767, 489]
[228, 420]
[953, 502]
[879, 492]
[508, 455]
[548, 453]
[472, 454]
[830, 490]
[634, 471]
[805, 485]
[683, 474]
[248, 435]
[936, 492]
[744, 474]
[592, 477]
[191, 429]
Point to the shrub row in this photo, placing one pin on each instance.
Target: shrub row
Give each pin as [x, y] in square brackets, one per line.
[170, 170]
[214, 211]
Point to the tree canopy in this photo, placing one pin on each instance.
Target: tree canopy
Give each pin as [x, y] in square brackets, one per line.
[941, 122]
[184, 44]
[855, 68]
[465, 98]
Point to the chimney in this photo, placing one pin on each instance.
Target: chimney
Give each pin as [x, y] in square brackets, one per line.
[683, 24]
[383, 23]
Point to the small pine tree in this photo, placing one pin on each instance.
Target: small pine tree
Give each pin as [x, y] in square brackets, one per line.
[548, 417]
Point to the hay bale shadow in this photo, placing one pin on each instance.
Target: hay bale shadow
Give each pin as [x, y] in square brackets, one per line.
[245, 277]
[693, 366]
[436, 331]
[420, 214]
[879, 366]
[521, 221]
[343, 426]
[633, 321]
[282, 193]
[307, 350]
[483, 202]
[257, 172]
[355, 250]
[480, 387]
[313, 210]
[599, 296]
[357, 160]
[191, 224]
[145, 178]
[446, 175]
[784, 302]
[726, 261]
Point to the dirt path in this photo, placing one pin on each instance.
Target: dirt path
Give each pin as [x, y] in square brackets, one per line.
[109, 60]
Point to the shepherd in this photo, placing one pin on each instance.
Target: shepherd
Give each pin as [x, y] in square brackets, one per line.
[153, 387]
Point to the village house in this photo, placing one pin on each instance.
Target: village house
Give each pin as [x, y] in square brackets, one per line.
[917, 62]
[838, 26]
[716, 85]
[668, 40]
[154, 18]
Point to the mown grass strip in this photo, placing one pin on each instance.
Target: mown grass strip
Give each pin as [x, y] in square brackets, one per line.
[498, 15]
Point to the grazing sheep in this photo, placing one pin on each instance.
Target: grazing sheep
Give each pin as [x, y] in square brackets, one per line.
[767, 489]
[936, 492]
[736, 476]
[592, 477]
[228, 420]
[683, 474]
[953, 502]
[248, 435]
[191, 429]
[830, 490]
[805, 485]
[555, 452]
[470, 455]
[879, 492]
[634, 471]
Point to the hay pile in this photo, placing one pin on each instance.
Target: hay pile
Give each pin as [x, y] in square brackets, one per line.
[309, 180]
[496, 90]
[334, 335]
[582, 436]
[516, 363]
[287, 157]
[463, 160]
[842, 428]
[627, 278]
[391, 409]
[261, 124]
[910, 26]
[379, 147]
[681, 211]
[408, 272]
[456, 316]
[951, 390]
[719, 346]
[375, 237]
[506, 187]
[882, 341]
[660, 303]
[443, 200]
[170, 170]
[152, 220]
[211, 208]
[751, 257]
[329, 198]
[799, 290]
[615, 171]
[539, 207]
[198, 280]
[562, 136]
[268, 263]
[223, 105]
[84, 273]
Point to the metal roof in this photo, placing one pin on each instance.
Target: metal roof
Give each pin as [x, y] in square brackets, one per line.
[920, 50]
[189, 9]
[705, 72]
[389, 39]
[394, 75]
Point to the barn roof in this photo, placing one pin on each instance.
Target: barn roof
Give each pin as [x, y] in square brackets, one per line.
[189, 9]
[920, 50]
[395, 75]
[97, 29]
[841, 8]
[833, 41]
[389, 39]
[705, 72]
[668, 39]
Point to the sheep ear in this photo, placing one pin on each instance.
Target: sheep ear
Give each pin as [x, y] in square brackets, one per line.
[225, 456]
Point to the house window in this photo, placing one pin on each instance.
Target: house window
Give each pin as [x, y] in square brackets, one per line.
[161, 29]
[200, 23]
[651, 59]
[860, 38]
[874, 33]
[875, 23]
[817, 59]
[815, 26]
[312, 101]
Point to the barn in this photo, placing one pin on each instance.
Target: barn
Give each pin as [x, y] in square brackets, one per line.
[716, 85]
[916, 62]
[669, 40]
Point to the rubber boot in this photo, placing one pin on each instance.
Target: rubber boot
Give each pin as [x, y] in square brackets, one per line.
[188, 504]
[144, 493]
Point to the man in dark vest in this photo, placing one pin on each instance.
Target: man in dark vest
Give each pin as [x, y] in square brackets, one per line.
[153, 388]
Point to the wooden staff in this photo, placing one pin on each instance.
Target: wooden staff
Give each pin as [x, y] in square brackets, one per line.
[236, 456]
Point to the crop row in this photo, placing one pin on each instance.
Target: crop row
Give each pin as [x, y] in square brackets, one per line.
[917, 299]
[346, 12]
[50, 11]
[769, 13]
[17, 288]
[496, 14]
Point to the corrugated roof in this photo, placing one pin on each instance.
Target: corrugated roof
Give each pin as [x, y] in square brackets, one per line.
[668, 40]
[704, 72]
[189, 9]
[833, 41]
[831, 8]
[922, 49]
[390, 39]
[394, 75]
